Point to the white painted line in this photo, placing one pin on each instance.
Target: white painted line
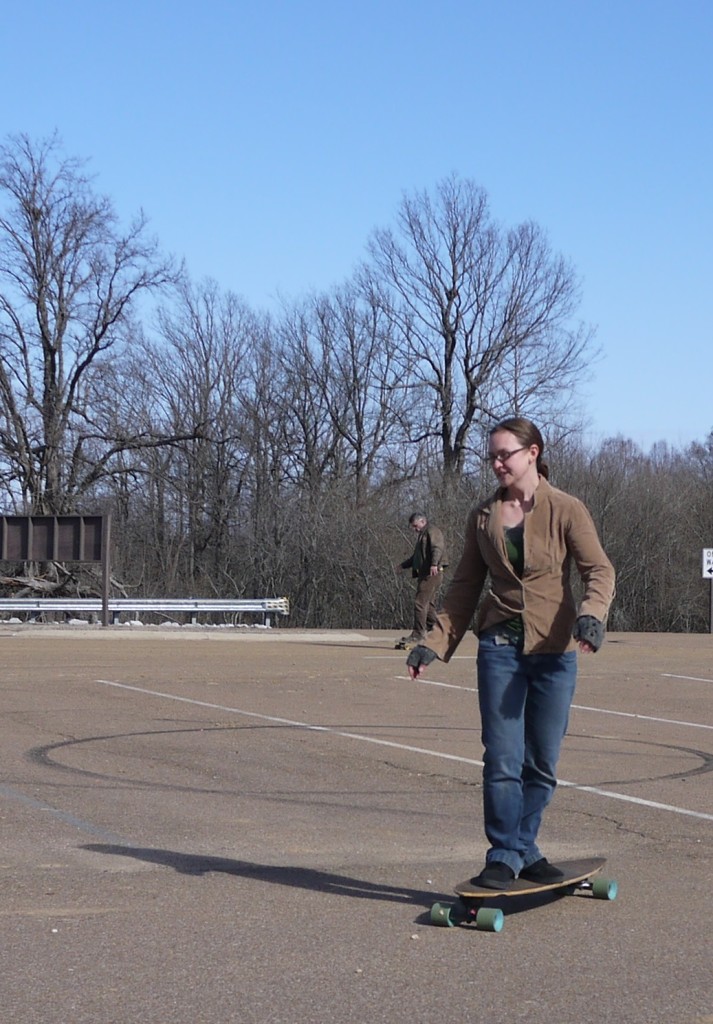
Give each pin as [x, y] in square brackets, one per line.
[636, 800]
[399, 657]
[398, 746]
[291, 722]
[435, 682]
[644, 718]
[575, 707]
[691, 679]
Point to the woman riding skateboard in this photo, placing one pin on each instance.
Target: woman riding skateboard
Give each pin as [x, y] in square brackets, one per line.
[525, 538]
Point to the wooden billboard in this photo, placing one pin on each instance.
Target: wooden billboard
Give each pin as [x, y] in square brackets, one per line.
[59, 539]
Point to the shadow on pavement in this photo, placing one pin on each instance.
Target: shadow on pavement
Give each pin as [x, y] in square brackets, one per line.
[293, 876]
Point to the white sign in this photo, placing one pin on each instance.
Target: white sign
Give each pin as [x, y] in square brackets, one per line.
[708, 563]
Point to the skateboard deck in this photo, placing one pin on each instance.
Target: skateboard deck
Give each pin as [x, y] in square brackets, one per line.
[469, 908]
[405, 645]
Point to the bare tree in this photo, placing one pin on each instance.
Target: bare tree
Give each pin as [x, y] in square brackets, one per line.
[70, 282]
[196, 374]
[482, 315]
[347, 359]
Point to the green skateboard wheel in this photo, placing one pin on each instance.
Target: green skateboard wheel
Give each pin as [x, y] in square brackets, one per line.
[604, 889]
[441, 915]
[489, 919]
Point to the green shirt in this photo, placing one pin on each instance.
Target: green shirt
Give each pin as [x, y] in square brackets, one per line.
[515, 545]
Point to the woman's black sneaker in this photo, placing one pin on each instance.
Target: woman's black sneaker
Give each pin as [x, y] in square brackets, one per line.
[495, 875]
[541, 871]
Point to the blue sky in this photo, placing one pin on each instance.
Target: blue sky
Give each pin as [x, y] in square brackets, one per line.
[266, 141]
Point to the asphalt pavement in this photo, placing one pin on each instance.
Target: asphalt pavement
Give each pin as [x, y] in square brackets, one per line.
[242, 825]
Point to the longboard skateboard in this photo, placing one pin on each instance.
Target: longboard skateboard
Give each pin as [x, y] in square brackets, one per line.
[405, 644]
[471, 906]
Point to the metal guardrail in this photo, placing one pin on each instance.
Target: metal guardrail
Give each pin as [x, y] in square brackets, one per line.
[35, 606]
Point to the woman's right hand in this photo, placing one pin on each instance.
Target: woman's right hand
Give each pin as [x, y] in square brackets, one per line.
[418, 659]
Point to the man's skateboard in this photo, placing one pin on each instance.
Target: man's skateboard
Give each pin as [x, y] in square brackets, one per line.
[471, 905]
[406, 643]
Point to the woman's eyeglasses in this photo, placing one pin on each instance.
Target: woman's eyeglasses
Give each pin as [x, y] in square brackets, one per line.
[504, 456]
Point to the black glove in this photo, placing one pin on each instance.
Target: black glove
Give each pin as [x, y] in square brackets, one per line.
[421, 655]
[590, 629]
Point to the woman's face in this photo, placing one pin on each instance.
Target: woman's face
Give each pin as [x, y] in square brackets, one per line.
[511, 460]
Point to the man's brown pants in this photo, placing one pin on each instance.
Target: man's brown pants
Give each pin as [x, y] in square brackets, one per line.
[424, 611]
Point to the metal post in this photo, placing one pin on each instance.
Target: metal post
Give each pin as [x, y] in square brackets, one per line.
[106, 566]
[707, 569]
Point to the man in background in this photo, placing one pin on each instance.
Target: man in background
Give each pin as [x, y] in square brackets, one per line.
[426, 564]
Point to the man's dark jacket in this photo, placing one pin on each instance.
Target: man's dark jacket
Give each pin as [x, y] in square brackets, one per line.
[430, 550]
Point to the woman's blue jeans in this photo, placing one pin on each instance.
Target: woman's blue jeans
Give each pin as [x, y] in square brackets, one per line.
[524, 708]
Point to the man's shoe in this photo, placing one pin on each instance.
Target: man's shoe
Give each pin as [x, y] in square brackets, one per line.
[541, 871]
[495, 875]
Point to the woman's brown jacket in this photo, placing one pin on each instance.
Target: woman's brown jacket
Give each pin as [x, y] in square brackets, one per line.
[558, 531]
